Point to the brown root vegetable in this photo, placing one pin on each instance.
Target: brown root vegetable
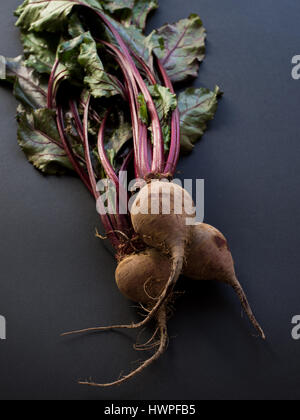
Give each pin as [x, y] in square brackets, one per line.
[160, 215]
[210, 258]
[142, 277]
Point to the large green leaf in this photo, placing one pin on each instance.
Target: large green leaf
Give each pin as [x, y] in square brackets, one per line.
[130, 12]
[182, 47]
[197, 107]
[51, 15]
[81, 59]
[39, 139]
[40, 50]
[140, 12]
[99, 81]
[29, 88]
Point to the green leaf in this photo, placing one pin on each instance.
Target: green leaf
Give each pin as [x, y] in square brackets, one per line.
[75, 27]
[143, 111]
[29, 88]
[118, 128]
[20, 9]
[99, 81]
[140, 12]
[181, 48]
[38, 16]
[67, 54]
[40, 51]
[136, 13]
[39, 139]
[118, 133]
[165, 101]
[134, 38]
[117, 6]
[130, 12]
[82, 62]
[50, 16]
[197, 107]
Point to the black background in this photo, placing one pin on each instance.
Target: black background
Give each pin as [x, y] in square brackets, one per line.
[55, 276]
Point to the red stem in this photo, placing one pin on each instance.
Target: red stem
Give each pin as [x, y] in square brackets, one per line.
[68, 150]
[50, 85]
[143, 150]
[87, 151]
[158, 141]
[174, 153]
[140, 168]
[108, 226]
[76, 116]
[126, 162]
[103, 156]
[122, 196]
[147, 70]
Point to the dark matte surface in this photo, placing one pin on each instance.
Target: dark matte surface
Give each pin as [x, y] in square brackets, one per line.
[56, 276]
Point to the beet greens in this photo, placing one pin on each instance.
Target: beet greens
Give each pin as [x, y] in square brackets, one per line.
[84, 64]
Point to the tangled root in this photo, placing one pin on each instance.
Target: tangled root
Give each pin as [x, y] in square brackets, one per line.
[149, 345]
[161, 304]
[161, 347]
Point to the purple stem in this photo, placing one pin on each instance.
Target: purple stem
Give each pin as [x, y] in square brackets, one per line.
[50, 85]
[78, 123]
[108, 226]
[133, 103]
[87, 152]
[122, 196]
[143, 150]
[142, 167]
[158, 142]
[174, 153]
[146, 68]
[68, 150]
[103, 156]
[126, 163]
